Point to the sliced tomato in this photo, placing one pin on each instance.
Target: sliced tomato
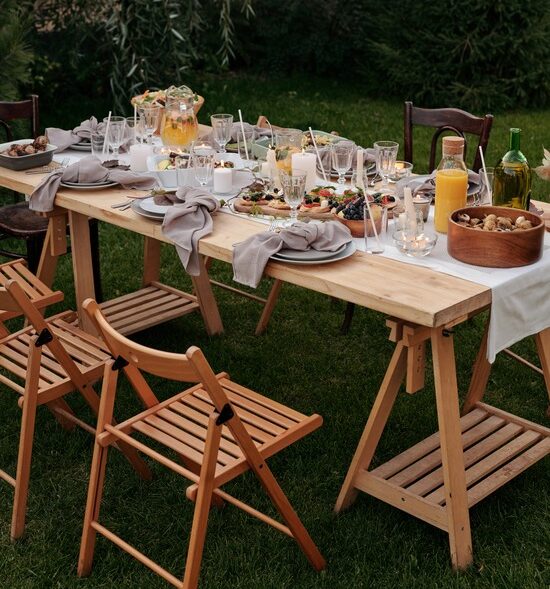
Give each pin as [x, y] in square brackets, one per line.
[325, 192]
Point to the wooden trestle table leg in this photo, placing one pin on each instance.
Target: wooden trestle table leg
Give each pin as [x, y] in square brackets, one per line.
[375, 425]
[207, 301]
[55, 245]
[480, 375]
[452, 456]
[151, 261]
[542, 340]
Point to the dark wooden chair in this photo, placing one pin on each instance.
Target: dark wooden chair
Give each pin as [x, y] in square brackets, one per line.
[16, 220]
[443, 120]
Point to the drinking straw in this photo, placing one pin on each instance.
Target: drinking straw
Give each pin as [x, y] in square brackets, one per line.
[318, 156]
[361, 185]
[244, 136]
[490, 192]
[135, 122]
[106, 133]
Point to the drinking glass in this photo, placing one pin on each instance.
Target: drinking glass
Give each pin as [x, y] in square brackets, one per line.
[386, 154]
[244, 146]
[294, 188]
[485, 196]
[287, 142]
[222, 127]
[134, 130]
[98, 141]
[342, 155]
[204, 165]
[374, 244]
[149, 116]
[116, 133]
[182, 164]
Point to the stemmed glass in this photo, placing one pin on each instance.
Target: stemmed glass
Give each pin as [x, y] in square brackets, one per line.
[149, 115]
[386, 154]
[342, 155]
[294, 188]
[116, 134]
[203, 162]
[222, 127]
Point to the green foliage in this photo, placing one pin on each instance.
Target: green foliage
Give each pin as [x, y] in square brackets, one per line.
[15, 54]
[475, 54]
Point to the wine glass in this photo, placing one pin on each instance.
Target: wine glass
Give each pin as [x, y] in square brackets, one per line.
[149, 116]
[116, 134]
[294, 188]
[386, 154]
[222, 127]
[342, 154]
[204, 165]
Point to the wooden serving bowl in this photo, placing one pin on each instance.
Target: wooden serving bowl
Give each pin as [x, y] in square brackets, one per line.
[357, 228]
[495, 249]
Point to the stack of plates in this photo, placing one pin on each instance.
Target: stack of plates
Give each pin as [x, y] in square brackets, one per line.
[312, 256]
[84, 145]
[89, 185]
[146, 207]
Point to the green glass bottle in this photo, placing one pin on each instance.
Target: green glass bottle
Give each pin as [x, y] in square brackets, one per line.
[512, 181]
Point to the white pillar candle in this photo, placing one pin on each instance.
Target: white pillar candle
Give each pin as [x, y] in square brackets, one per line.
[307, 163]
[223, 180]
[139, 152]
[271, 160]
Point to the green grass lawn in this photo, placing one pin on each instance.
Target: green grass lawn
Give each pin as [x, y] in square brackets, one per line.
[304, 362]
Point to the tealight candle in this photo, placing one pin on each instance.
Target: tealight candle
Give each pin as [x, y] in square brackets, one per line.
[139, 152]
[223, 179]
[307, 163]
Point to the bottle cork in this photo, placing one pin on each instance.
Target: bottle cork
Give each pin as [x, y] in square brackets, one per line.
[453, 145]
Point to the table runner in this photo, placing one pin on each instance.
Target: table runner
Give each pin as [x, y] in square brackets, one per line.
[520, 296]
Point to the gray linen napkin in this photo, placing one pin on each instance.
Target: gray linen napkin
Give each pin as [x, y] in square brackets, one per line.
[251, 256]
[88, 169]
[369, 157]
[64, 139]
[427, 183]
[187, 222]
[259, 132]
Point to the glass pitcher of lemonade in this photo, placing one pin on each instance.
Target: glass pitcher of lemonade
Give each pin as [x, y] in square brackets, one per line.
[451, 182]
[287, 142]
[179, 124]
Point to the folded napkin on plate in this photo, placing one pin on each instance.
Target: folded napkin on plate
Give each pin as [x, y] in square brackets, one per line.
[427, 183]
[251, 256]
[64, 139]
[325, 154]
[88, 169]
[258, 132]
[188, 221]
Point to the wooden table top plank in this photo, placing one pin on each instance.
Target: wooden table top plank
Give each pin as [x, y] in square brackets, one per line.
[410, 292]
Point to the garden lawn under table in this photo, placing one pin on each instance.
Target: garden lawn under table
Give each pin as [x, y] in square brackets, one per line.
[304, 362]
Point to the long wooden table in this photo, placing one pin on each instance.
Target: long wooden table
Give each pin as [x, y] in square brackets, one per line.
[440, 478]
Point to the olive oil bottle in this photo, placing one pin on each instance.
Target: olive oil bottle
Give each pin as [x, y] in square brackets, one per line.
[512, 180]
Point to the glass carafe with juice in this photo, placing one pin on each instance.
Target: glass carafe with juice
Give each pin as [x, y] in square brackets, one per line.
[512, 179]
[451, 182]
[287, 142]
[179, 124]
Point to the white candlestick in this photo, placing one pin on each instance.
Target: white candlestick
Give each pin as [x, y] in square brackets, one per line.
[223, 180]
[307, 163]
[139, 152]
[359, 172]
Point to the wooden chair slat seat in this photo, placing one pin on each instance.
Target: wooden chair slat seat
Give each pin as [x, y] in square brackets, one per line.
[216, 428]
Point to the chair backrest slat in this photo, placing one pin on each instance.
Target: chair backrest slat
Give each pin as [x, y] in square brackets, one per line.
[164, 364]
[22, 109]
[453, 120]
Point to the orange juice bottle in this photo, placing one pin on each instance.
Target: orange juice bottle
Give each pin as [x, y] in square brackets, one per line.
[451, 182]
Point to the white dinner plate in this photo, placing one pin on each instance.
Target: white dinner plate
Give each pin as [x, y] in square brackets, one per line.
[82, 146]
[78, 184]
[348, 251]
[136, 207]
[148, 204]
[75, 186]
[309, 254]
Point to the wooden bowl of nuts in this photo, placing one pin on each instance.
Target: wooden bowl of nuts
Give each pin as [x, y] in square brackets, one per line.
[495, 237]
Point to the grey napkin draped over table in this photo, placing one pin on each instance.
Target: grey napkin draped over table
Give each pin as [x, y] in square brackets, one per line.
[251, 256]
[187, 221]
[88, 169]
[64, 139]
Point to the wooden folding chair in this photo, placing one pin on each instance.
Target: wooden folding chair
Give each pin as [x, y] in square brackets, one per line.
[42, 363]
[218, 427]
[40, 294]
